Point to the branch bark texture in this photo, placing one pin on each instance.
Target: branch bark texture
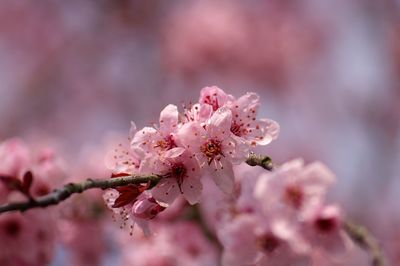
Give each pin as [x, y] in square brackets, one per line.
[67, 190]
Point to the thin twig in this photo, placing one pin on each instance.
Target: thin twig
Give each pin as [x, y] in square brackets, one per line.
[67, 190]
[364, 239]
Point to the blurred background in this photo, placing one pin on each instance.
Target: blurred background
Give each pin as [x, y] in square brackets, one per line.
[73, 71]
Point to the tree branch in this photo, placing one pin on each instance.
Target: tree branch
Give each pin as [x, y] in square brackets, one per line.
[364, 239]
[67, 190]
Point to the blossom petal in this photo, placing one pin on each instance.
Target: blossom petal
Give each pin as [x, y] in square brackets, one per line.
[263, 131]
[174, 152]
[141, 142]
[249, 100]
[166, 190]
[191, 188]
[169, 118]
[224, 177]
[190, 136]
[220, 122]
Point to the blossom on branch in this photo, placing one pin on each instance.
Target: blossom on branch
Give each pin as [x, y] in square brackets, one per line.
[206, 139]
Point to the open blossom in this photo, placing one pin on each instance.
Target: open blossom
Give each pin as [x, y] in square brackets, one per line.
[181, 175]
[213, 146]
[324, 231]
[215, 97]
[152, 140]
[294, 189]
[245, 125]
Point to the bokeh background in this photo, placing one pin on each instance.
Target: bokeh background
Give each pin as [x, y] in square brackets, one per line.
[72, 72]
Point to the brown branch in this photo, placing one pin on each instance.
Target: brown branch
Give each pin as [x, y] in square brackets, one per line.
[364, 239]
[67, 190]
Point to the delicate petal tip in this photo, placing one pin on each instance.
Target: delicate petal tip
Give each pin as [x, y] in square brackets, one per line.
[273, 128]
[169, 116]
[269, 131]
[250, 99]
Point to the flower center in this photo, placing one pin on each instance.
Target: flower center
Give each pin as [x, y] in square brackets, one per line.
[212, 100]
[166, 143]
[294, 196]
[268, 243]
[211, 149]
[178, 171]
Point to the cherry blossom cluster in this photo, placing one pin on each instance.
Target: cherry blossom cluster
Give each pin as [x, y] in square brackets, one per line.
[205, 139]
[270, 215]
[281, 218]
[277, 217]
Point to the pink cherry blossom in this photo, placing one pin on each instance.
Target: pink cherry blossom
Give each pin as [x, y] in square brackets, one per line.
[294, 189]
[325, 233]
[213, 146]
[152, 140]
[246, 127]
[214, 97]
[181, 175]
